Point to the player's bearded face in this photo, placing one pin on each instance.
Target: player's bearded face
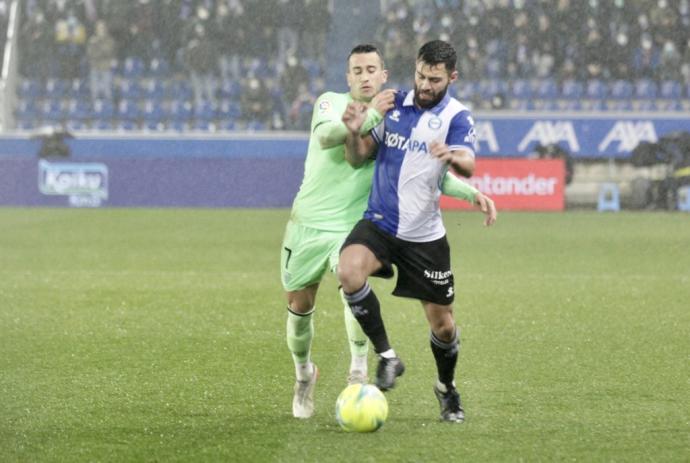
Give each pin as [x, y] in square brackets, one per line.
[431, 84]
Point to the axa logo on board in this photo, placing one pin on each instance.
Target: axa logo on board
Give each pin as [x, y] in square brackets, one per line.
[623, 136]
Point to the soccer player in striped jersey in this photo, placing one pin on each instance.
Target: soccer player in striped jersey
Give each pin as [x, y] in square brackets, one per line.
[330, 201]
[422, 136]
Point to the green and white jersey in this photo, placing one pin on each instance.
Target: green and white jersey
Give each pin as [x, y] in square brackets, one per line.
[333, 194]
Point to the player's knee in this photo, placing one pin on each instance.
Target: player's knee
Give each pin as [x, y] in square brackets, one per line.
[350, 275]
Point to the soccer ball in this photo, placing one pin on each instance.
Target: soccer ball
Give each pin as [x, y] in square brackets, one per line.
[361, 408]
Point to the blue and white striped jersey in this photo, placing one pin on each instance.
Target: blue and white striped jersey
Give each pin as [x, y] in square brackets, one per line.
[404, 199]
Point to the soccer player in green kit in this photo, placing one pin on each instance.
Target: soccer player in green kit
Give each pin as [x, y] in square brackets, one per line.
[331, 200]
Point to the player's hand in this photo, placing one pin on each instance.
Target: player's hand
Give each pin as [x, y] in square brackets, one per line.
[383, 101]
[441, 152]
[487, 206]
[354, 116]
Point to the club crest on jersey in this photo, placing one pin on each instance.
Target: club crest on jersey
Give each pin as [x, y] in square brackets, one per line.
[395, 140]
[395, 116]
[435, 123]
[324, 106]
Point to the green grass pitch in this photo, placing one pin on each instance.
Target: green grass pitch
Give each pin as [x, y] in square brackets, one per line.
[158, 335]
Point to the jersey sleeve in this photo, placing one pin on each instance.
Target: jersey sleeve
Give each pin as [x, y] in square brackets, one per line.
[461, 133]
[325, 110]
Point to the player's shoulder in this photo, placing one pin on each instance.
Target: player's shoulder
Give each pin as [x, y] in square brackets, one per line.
[330, 100]
[456, 107]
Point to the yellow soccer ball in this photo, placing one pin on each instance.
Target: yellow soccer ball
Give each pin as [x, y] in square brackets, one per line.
[361, 408]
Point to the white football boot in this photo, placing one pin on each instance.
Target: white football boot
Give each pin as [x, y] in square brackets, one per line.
[303, 401]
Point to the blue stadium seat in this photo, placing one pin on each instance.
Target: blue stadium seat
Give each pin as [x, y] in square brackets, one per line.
[229, 109]
[521, 88]
[79, 88]
[255, 125]
[26, 124]
[152, 112]
[152, 89]
[572, 89]
[618, 105]
[645, 88]
[102, 125]
[464, 91]
[127, 126]
[230, 89]
[51, 110]
[621, 89]
[669, 105]
[596, 89]
[670, 89]
[132, 67]
[568, 105]
[643, 105]
[79, 109]
[128, 110]
[154, 126]
[546, 88]
[180, 110]
[103, 109]
[30, 89]
[76, 125]
[227, 125]
[26, 109]
[159, 67]
[129, 89]
[179, 90]
[56, 88]
[206, 111]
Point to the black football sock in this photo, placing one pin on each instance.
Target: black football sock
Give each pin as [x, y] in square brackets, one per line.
[446, 356]
[366, 309]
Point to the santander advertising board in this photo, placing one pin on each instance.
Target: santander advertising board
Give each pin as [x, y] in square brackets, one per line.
[518, 184]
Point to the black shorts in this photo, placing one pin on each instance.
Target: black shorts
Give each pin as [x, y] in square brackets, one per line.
[423, 268]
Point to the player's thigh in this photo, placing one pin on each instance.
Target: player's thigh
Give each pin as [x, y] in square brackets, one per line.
[305, 256]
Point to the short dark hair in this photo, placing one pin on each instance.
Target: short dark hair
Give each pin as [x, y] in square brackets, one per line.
[365, 48]
[437, 52]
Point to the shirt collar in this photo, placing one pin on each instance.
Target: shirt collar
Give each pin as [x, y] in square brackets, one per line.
[409, 101]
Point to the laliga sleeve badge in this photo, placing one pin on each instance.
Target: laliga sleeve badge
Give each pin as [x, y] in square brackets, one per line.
[324, 106]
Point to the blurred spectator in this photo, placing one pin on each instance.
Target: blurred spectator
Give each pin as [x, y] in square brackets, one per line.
[229, 33]
[200, 59]
[256, 104]
[293, 76]
[100, 51]
[70, 38]
[301, 108]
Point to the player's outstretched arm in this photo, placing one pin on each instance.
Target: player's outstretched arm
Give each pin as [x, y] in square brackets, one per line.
[453, 186]
[487, 206]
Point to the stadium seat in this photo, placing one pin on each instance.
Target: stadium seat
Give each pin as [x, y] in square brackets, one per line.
[230, 88]
[132, 67]
[463, 91]
[684, 198]
[128, 110]
[56, 88]
[609, 198]
[26, 109]
[521, 88]
[572, 89]
[152, 112]
[152, 89]
[546, 89]
[129, 89]
[206, 111]
[103, 109]
[180, 110]
[127, 126]
[596, 89]
[79, 109]
[30, 89]
[621, 89]
[51, 111]
[159, 67]
[229, 109]
[645, 88]
[670, 89]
